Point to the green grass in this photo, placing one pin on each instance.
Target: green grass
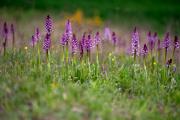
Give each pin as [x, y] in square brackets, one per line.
[118, 89]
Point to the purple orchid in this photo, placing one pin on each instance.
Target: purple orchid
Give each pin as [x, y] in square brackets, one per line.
[175, 44]
[135, 43]
[166, 43]
[151, 40]
[5, 34]
[144, 50]
[84, 39]
[48, 24]
[107, 33]
[37, 35]
[81, 49]
[88, 43]
[63, 40]
[5, 30]
[74, 44]
[97, 38]
[168, 63]
[47, 42]
[114, 38]
[68, 30]
[33, 41]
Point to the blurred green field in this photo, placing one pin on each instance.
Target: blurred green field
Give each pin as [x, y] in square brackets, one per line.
[161, 15]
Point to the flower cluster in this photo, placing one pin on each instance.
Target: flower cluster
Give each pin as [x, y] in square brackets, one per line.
[144, 50]
[47, 42]
[152, 40]
[135, 42]
[47, 39]
[48, 24]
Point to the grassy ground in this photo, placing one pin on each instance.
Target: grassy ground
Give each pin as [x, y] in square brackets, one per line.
[115, 88]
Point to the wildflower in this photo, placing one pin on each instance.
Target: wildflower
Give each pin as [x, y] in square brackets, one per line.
[155, 37]
[166, 44]
[25, 47]
[81, 49]
[151, 39]
[175, 44]
[97, 38]
[88, 43]
[74, 44]
[107, 33]
[82, 45]
[48, 24]
[144, 50]
[5, 34]
[135, 43]
[33, 41]
[47, 42]
[114, 39]
[84, 40]
[169, 62]
[63, 40]
[5, 30]
[54, 85]
[68, 30]
[37, 35]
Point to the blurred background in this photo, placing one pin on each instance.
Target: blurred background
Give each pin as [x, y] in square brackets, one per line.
[157, 14]
[121, 15]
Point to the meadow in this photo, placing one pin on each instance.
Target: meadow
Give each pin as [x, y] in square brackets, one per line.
[74, 67]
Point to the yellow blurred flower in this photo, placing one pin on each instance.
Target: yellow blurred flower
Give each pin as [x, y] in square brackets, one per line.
[154, 63]
[54, 85]
[110, 54]
[97, 20]
[78, 16]
[25, 47]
